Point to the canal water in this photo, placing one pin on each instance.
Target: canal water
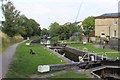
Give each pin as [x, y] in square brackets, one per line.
[108, 73]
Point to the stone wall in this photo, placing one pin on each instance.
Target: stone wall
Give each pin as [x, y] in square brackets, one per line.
[115, 44]
[84, 65]
[111, 63]
[73, 65]
[92, 39]
[82, 53]
[75, 51]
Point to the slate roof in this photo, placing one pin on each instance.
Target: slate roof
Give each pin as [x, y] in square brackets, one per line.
[109, 15]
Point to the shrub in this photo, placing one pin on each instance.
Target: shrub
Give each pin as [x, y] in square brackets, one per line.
[72, 38]
[55, 39]
[7, 41]
[34, 37]
[17, 39]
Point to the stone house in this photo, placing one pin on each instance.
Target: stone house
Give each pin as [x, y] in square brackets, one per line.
[107, 25]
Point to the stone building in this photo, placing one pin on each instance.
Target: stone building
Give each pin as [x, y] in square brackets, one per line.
[106, 25]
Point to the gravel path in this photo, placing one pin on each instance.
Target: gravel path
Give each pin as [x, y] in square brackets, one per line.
[6, 58]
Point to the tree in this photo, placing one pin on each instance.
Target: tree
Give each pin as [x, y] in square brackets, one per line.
[88, 26]
[61, 33]
[44, 31]
[70, 29]
[44, 34]
[39, 31]
[16, 24]
[54, 29]
[34, 26]
[22, 25]
[28, 27]
[64, 32]
[10, 26]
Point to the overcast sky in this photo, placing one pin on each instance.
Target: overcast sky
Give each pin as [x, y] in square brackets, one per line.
[46, 12]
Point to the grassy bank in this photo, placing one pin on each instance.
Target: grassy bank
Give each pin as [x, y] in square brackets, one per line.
[70, 75]
[100, 51]
[6, 41]
[24, 64]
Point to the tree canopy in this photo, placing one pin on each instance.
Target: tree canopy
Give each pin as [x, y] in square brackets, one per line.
[16, 24]
[54, 29]
[88, 26]
[63, 32]
[11, 19]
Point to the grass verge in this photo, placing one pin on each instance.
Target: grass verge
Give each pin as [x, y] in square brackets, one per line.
[24, 64]
[89, 46]
[70, 75]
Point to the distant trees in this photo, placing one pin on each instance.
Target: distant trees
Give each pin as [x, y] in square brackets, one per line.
[64, 32]
[16, 24]
[88, 26]
[44, 31]
[71, 30]
[54, 29]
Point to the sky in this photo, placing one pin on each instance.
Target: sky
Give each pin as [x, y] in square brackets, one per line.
[46, 12]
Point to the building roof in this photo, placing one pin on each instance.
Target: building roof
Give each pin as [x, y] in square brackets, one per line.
[78, 22]
[109, 15]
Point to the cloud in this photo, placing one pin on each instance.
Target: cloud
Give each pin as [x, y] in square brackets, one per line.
[47, 11]
[59, 1]
[32, 9]
[105, 4]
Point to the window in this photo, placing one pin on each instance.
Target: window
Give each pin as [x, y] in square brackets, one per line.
[115, 22]
[114, 33]
[102, 34]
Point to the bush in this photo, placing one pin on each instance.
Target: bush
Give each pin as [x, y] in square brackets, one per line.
[7, 41]
[17, 39]
[72, 38]
[55, 39]
[34, 37]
